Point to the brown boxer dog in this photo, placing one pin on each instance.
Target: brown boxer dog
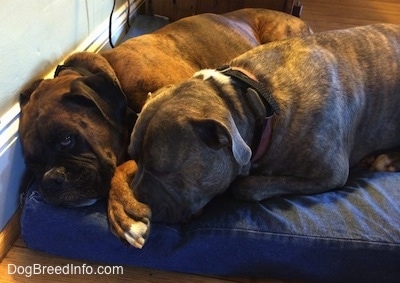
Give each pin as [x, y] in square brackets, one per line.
[289, 117]
[75, 128]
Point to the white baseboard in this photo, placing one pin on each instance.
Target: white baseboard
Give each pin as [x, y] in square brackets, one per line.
[11, 160]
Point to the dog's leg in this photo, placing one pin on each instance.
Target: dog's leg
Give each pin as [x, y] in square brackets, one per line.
[257, 188]
[387, 162]
[129, 219]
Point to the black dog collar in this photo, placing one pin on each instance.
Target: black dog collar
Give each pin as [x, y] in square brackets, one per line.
[256, 92]
[262, 104]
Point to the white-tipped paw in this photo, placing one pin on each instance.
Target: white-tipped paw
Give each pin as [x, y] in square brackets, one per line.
[129, 219]
[137, 234]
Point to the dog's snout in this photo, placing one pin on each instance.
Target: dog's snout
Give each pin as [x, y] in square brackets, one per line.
[144, 186]
[163, 202]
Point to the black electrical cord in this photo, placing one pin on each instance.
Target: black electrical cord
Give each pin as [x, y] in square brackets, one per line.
[128, 15]
[110, 26]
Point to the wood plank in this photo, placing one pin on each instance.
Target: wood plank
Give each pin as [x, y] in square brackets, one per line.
[281, 5]
[9, 234]
[332, 14]
[24, 259]
[218, 7]
[176, 9]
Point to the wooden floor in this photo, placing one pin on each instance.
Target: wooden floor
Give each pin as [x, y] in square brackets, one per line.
[20, 256]
[321, 15]
[338, 14]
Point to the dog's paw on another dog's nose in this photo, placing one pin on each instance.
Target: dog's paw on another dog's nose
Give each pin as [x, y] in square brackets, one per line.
[388, 162]
[129, 219]
[382, 162]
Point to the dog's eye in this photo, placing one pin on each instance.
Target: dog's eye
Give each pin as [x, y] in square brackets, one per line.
[66, 142]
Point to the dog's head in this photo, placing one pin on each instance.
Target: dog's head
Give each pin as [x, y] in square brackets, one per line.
[73, 130]
[188, 149]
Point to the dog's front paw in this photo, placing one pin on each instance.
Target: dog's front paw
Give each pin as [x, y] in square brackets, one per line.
[388, 162]
[129, 219]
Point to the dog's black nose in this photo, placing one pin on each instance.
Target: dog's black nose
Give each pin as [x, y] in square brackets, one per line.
[56, 175]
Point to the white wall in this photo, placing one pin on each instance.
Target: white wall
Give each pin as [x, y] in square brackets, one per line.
[35, 37]
[34, 34]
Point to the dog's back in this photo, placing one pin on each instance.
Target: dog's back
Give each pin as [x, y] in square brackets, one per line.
[342, 86]
[173, 53]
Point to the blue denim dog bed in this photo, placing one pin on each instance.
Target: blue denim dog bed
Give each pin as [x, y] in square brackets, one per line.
[346, 235]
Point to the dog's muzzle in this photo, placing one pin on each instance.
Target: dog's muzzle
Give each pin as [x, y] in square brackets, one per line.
[166, 206]
[57, 187]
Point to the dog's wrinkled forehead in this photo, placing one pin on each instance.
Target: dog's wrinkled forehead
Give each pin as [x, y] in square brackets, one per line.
[51, 90]
[42, 100]
[171, 108]
[45, 116]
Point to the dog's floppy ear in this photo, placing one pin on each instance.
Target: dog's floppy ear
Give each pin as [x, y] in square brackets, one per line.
[25, 94]
[104, 93]
[217, 134]
[86, 63]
